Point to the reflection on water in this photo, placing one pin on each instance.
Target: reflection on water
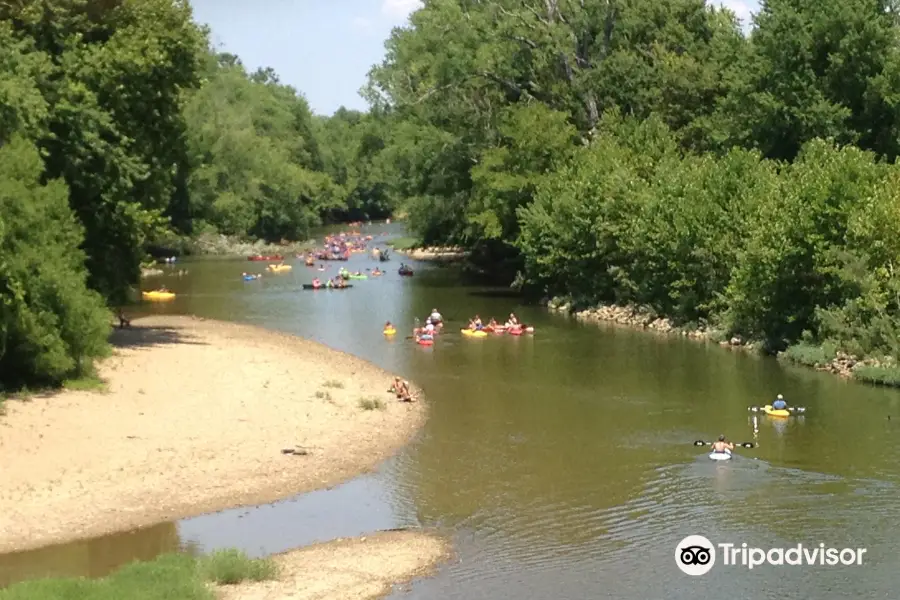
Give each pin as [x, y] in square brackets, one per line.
[93, 558]
[563, 462]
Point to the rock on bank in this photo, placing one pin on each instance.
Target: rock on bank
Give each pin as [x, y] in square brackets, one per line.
[194, 420]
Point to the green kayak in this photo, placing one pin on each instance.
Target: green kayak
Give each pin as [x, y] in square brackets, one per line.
[359, 277]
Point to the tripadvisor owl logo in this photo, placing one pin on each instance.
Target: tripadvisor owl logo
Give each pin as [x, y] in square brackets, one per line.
[695, 555]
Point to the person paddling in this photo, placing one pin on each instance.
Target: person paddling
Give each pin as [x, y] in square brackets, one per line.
[436, 317]
[720, 446]
[779, 403]
[477, 325]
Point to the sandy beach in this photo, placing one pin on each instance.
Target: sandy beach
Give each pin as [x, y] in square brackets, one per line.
[352, 569]
[194, 420]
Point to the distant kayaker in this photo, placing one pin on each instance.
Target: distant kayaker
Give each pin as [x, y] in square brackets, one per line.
[779, 403]
[317, 283]
[436, 316]
[513, 321]
[476, 322]
[721, 445]
[429, 328]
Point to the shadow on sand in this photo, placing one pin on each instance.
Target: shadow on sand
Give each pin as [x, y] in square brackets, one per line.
[146, 336]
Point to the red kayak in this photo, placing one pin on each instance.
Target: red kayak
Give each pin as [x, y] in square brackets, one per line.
[426, 342]
[259, 257]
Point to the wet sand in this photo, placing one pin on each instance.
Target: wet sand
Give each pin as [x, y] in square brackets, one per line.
[353, 569]
[194, 420]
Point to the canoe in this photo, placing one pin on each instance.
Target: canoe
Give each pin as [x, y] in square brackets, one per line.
[155, 295]
[267, 258]
[720, 455]
[473, 333]
[390, 331]
[775, 412]
[309, 286]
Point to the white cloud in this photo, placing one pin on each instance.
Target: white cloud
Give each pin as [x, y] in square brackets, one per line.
[361, 24]
[399, 9]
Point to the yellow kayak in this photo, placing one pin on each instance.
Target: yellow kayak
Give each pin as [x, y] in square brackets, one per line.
[390, 331]
[155, 295]
[473, 333]
[776, 412]
[279, 268]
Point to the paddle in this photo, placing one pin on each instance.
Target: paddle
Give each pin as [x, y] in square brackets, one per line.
[740, 445]
[793, 409]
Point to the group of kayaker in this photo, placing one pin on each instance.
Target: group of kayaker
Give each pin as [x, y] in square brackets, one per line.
[722, 446]
[477, 325]
[337, 282]
[433, 324]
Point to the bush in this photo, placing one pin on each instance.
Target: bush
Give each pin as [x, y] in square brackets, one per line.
[229, 567]
[886, 376]
[51, 325]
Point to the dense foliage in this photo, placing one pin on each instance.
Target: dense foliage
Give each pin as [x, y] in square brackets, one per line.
[639, 151]
[652, 152]
[120, 127]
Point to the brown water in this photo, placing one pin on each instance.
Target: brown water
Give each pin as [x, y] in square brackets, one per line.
[561, 463]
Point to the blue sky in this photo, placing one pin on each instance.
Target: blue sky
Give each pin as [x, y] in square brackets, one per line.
[324, 48]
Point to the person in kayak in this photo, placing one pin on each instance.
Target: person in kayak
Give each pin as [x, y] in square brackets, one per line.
[779, 403]
[720, 446]
[429, 327]
[317, 283]
[436, 316]
[477, 325]
[513, 321]
[388, 325]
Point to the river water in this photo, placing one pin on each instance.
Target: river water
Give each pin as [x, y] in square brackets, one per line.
[562, 463]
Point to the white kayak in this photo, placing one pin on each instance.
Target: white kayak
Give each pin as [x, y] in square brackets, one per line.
[720, 455]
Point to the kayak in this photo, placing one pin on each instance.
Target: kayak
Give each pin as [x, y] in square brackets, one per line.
[309, 286]
[390, 331]
[423, 342]
[250, 277]
[358, 277]
[473, 333]
[776, 412]
[155, 295]
[720, 455]
[279, 268]
[403, 273]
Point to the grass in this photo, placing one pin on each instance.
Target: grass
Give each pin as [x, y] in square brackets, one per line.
[333, 383]
[403, 243]
[372, 403]
[886, 376]
[168, 577]
[229, 567]
[86, 383]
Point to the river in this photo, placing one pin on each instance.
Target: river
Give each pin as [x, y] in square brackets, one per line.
[561, 463]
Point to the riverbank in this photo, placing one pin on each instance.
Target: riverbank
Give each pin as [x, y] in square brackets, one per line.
[353, 569]
[195, 419]
[209, 244]
[879, 371]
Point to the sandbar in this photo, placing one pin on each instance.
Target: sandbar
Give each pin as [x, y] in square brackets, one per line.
[194, 420]
[353, 569]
